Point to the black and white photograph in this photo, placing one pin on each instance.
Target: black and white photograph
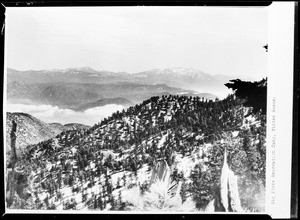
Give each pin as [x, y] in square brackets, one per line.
[140, 109]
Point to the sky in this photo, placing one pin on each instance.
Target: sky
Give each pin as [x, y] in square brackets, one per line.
[227, 40]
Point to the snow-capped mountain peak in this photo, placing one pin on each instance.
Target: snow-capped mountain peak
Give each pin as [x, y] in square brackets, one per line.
[80, 69]
[181, 72]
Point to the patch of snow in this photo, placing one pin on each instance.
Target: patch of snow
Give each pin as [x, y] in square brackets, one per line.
[143, 174]
[250, 118]
[199, 137]
[185, 164]
[92, 165]
[167, 118]
[73, 150]
[94, 75]
[182, 93]
[162, 141]
[48, 166]
[235, 133]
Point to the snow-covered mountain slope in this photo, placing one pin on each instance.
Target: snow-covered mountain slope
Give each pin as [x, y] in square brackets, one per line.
[31, 130]
[178, 73]
[99, 168]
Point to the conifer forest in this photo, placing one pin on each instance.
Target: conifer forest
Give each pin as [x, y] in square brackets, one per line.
[168, 153]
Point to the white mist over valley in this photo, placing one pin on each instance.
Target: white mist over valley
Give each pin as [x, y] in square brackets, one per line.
[54, 114]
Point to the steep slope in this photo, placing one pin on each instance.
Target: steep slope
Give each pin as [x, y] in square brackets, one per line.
[31, 130]
[98, 168]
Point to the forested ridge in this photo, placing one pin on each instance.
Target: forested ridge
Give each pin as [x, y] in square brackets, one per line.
[95, 168]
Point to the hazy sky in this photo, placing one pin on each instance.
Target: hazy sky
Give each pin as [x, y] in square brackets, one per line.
[215, 40]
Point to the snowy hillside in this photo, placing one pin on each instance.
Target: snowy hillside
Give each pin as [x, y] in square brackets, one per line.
[113, 165]
[31, 130]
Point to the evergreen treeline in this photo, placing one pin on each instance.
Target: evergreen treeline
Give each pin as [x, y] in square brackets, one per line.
[85, 160]
[254, 93]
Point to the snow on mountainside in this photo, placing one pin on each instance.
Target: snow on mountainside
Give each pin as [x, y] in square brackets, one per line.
[186, 78]
[84, 71]
[31, 130]
[81, 69]
[180, 72]
[110, 165]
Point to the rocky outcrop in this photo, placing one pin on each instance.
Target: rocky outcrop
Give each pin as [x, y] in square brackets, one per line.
[30, 130]
[16, 179]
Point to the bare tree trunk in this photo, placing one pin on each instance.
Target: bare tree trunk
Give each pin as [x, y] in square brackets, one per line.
[11, 180]
[224, 183]
[13, 137]
[226, 196]
[161, 172]
[235, 202]
[10, 188]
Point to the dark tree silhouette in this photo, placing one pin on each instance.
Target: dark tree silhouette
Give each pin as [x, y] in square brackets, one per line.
[254, 93]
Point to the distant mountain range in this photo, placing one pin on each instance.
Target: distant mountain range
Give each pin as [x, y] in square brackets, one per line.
[185, 78]
[79, 88]
[31, 130]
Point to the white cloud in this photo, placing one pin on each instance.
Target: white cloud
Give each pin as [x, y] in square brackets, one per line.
[50, 114]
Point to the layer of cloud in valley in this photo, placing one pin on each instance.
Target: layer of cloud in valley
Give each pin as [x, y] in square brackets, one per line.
[50, 114]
